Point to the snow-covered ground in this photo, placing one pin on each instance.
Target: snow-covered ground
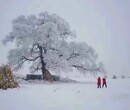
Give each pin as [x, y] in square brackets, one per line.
[68, 96]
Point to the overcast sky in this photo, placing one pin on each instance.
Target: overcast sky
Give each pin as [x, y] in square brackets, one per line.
[103, 24]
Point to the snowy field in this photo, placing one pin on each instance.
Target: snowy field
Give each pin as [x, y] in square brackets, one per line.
[68, 96]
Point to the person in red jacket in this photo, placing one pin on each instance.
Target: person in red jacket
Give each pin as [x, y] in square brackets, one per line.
[99, 82]
[104, 82]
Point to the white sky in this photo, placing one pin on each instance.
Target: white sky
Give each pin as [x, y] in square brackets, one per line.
[103, 24]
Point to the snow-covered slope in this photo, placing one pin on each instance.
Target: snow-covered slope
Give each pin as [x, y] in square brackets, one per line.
[68, 96]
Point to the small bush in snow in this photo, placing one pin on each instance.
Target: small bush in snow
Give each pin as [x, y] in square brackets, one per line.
[123, 77]
[114, 77]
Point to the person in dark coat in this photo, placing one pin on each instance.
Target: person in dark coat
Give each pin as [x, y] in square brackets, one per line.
[99, 82]
[104, 82]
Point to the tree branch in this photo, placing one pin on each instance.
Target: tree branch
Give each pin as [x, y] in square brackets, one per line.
[27, 59]
[33, 48]
[53, 49]
[61, 55]
[86, 69]
[73, 55]
[42, 20]
[19, 65]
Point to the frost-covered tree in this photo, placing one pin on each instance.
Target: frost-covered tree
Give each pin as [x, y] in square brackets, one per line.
[42, 40]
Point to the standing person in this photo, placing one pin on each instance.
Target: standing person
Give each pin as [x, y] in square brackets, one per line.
[104, 82]
[99, 82]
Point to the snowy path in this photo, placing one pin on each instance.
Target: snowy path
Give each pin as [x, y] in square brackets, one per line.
[68, 96]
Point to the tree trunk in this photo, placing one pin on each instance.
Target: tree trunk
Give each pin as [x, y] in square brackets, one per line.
[45, 73]
[47, 76]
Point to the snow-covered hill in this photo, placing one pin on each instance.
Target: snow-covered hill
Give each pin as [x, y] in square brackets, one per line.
[68, 96]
